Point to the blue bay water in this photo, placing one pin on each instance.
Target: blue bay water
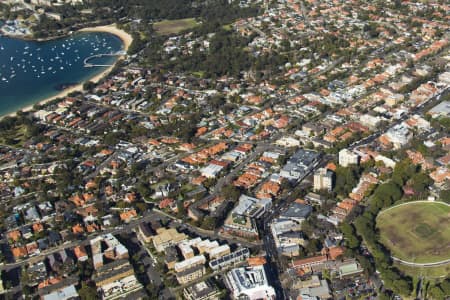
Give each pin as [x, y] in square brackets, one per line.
[31, 71]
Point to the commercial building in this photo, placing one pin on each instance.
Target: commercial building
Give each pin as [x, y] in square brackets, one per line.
[204, 290]
[316, 292]
[280, 226]
[286, 229]
[117, 289]
[229, 259]
[445, 78]
[211, 170]
[171, 257]
[309, 262]
[347, 157]
[185, 264]
[288, 142]
[312, 288]
[186, 250]
[190, 269]
[399, 135]
[114, 250]
[440, 110]
[167, 237]
[113, 271]
[206, 246]
[252, 207]
[297, 212]
[144, 233]
[241, 220]
[190, 274]
[323, 179]
[314, 199]
[219, 251]
[249, 283]
[288, 243]
[65, 293]
[115, 279]
[300, 164]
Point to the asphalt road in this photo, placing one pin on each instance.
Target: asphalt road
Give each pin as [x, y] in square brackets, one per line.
[117, 230]
[227, 179]
[417, 110]
[214, 235]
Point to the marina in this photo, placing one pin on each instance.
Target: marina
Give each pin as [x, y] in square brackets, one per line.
[30, 70]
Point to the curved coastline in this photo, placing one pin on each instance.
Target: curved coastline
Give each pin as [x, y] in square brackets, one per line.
[112, 29]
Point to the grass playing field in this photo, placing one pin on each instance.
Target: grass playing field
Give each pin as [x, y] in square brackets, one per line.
[166, 27]
[418, 232]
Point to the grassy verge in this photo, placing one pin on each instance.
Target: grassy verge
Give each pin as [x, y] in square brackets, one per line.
[167, 27]
[429, 273]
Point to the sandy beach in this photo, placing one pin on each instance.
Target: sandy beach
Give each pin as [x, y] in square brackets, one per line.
[124, 36]
[126, 39]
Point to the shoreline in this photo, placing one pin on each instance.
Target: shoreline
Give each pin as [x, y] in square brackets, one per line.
[112, 29]
[30, 38]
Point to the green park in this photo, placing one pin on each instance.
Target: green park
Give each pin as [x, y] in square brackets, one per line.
[416, 232]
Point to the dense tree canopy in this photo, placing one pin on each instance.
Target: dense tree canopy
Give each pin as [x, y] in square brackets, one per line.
[346, 179]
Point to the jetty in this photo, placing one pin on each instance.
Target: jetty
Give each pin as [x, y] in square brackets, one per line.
[87, 64]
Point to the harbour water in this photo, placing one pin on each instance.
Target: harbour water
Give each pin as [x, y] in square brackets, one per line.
[32, 71]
